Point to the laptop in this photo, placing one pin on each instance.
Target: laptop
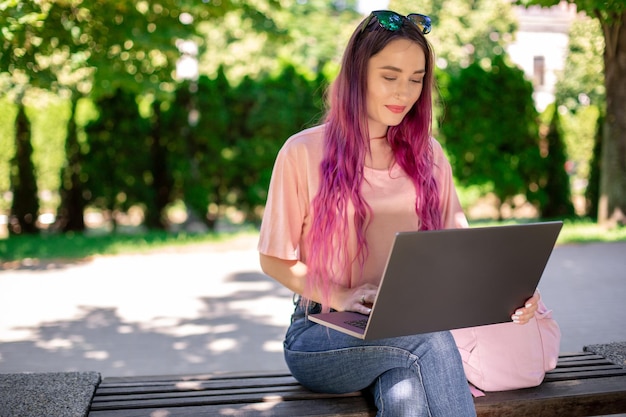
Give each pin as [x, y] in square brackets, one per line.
[452, 278]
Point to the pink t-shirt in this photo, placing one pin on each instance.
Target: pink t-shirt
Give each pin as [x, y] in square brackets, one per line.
[389, 193]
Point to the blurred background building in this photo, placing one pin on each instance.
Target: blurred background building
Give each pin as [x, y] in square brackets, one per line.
[540, 46]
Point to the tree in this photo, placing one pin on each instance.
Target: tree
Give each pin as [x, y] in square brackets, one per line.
[25, 206]
[307, 34]
[118, 45]
[19, 48]
[581, 83]
[557, 184]
[592, 192]
[117, 167]
[612, 17]
[580, 90]
[492, 138]
[70, 213]
[81, 48]
[199, 126]
[295, 102]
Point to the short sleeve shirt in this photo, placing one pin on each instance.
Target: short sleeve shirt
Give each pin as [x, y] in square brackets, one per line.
[390, 194]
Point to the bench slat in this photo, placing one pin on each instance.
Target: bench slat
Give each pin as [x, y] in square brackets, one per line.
[257, 393]
[589, 374]
[186, 384]
[583, 362]
[217, 376]
[567, 356]
[357, 406]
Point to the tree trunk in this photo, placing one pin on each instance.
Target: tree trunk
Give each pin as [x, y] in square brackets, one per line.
[25, 205]
[72, 209]
[612, 201]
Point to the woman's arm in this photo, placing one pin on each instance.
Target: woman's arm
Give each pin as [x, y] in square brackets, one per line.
[292, 274]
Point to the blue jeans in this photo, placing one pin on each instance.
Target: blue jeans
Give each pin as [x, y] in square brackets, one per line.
[419, 375]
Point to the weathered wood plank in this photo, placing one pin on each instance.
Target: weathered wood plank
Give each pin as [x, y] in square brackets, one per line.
[324, 407]
[187, 384]
[590, 374]
[209, 396]
[221, 376]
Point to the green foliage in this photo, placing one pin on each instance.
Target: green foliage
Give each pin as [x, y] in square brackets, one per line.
[47, 117]
[92, 46]
[117, 166]
[25, 203]
[582, 81]
[581, 92]
[280, 107]
[49, 130]
[592, 192]
[8, 112]
[197, 128]
[490, 131]
[306, 34]
[557, 183]
[579, 135]
[262, 57]
[465, 31]
[228, 149]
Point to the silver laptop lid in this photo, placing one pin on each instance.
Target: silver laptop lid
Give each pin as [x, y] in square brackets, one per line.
[446, 279]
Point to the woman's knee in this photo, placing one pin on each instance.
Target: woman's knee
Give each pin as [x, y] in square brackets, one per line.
[399, 393]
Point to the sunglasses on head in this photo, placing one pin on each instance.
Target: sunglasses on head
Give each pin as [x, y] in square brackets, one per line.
[393, 21]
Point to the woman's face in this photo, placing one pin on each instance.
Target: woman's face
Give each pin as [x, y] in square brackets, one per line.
[394, 83]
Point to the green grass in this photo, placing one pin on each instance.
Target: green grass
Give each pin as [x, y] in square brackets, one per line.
[78, 246]
[587, 232]
[573, 231]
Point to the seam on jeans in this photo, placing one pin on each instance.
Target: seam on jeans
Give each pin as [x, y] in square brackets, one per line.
[380, 398]
[409, 356]
[421, 379]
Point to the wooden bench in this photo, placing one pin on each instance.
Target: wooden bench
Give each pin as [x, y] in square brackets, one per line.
[583, 384]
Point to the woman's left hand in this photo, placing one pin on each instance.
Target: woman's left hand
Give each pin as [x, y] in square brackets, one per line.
[524, 314]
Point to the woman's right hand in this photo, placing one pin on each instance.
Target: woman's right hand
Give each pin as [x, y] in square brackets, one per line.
[358, 299]
[292, 274]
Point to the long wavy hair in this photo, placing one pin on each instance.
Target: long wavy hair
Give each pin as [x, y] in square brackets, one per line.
[346, 144]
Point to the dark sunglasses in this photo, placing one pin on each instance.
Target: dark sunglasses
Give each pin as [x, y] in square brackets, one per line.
[393, 21]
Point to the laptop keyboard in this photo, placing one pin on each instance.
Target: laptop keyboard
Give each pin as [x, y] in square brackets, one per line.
[361, 324]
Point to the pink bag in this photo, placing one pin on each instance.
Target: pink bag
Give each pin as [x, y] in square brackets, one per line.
[509, 356]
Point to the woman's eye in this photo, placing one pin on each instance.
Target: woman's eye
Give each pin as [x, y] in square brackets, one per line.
[416, 81]
[390, 78]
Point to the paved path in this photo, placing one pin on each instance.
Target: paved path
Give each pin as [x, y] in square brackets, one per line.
[211, 309]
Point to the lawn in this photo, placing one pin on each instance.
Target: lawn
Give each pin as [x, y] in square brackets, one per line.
[78, 246]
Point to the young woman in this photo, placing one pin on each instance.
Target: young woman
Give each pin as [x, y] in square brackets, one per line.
[339, 193]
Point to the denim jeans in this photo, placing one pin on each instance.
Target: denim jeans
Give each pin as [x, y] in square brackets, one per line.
[420, 375]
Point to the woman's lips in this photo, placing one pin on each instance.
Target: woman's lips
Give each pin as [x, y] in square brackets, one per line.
[396, 109]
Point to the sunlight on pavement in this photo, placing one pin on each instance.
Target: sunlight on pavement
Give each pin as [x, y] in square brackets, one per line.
[118, 314]
[222, 345]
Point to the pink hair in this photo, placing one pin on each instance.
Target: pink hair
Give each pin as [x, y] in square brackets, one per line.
[346, 145]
